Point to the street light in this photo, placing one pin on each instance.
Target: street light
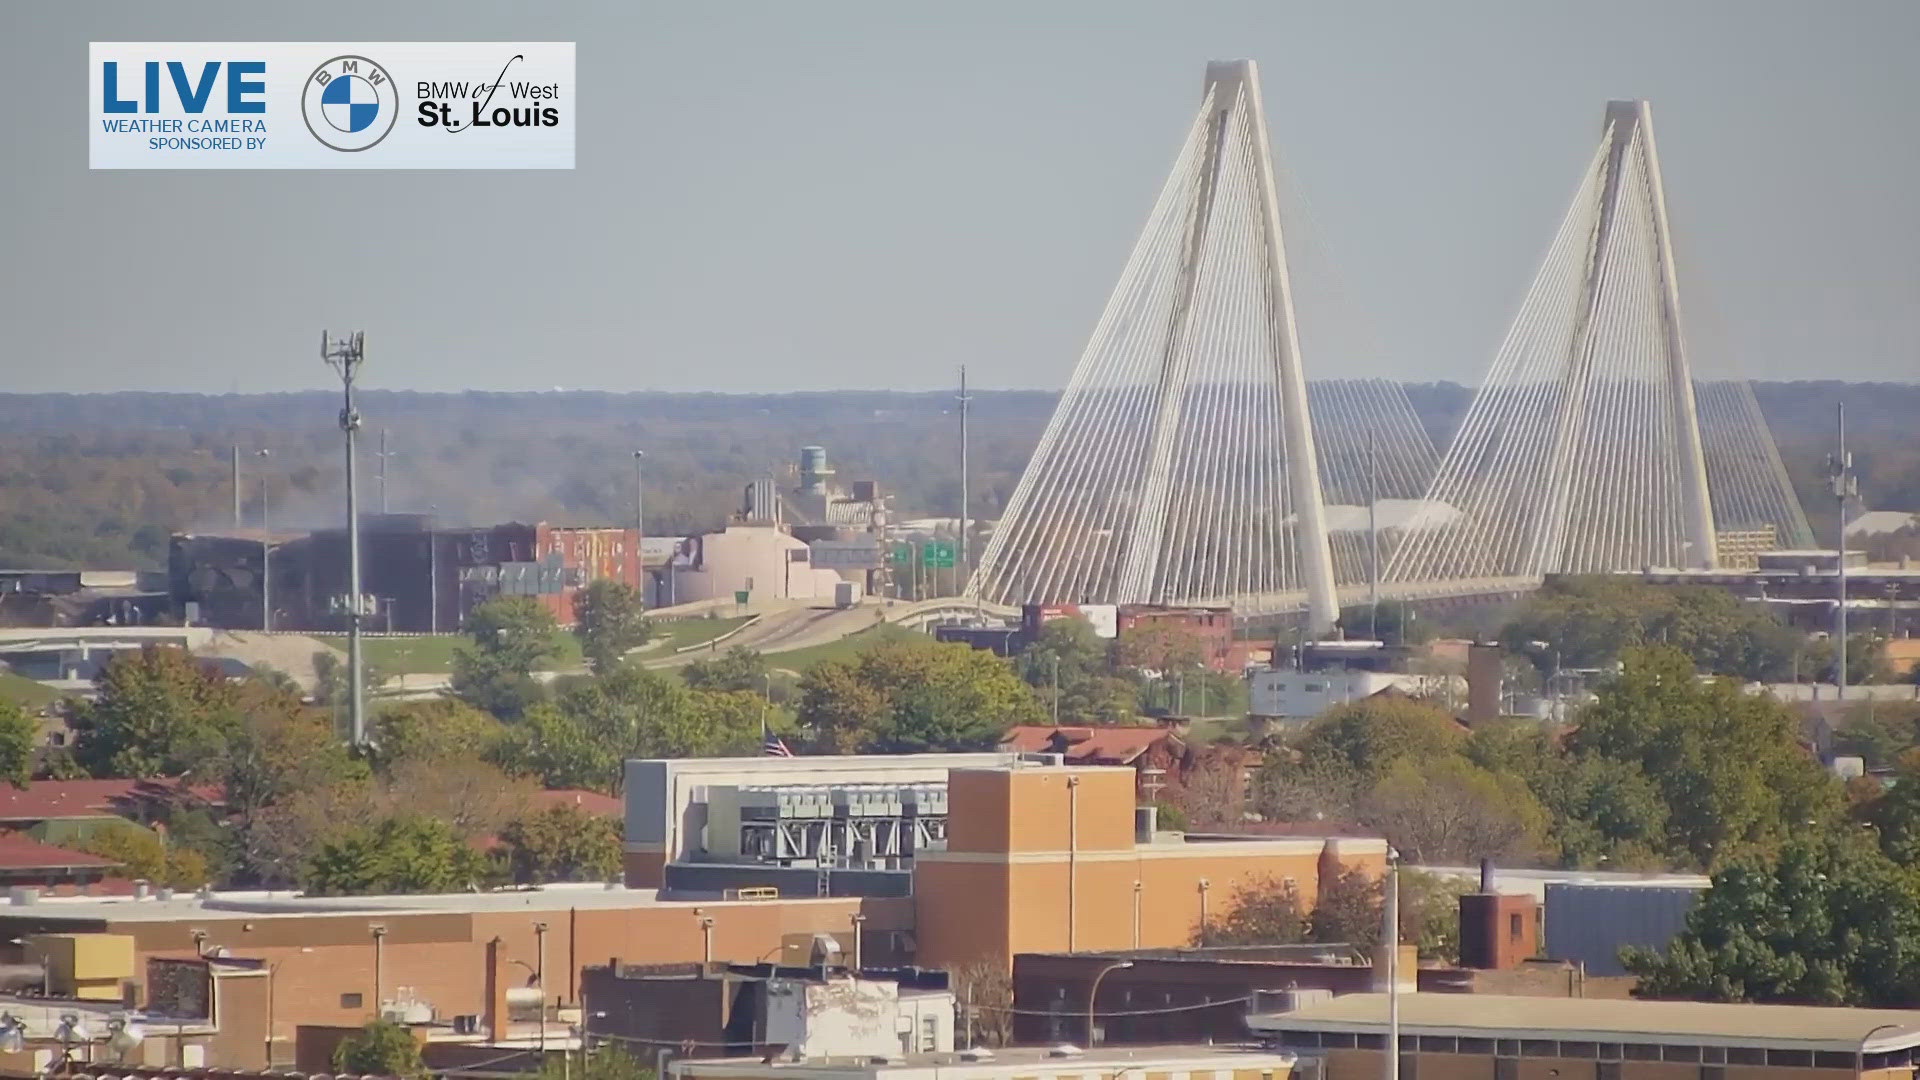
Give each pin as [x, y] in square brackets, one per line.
[124, 1036]
[13, 1034]
[1093, 993]
[266, 548]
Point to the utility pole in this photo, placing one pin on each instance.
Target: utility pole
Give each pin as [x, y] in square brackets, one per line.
[236, 485]
[1845, 484]
[963, 399]
[1392, 959]
[383, 470]
[345, 356]
[639, 492]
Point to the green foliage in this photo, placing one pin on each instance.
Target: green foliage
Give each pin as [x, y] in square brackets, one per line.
[610, 619]
[607, 1061]
[511, 636]
[914, 696]
[1877, 731]
[1831, 921]
[1449, 810]
[399, 854]
[158, 712]
[739, 668]
[330, 677]
[1170, 817]
[581, 738]
[1894, 813]
[1866, 659]
[1366, 738]
[381, 1048]
[143, 854]
[1348, 911]
[561, 843]
[1067, 653]
[1728, 765]
[1591, 622]
[19, 742]
[432, 730]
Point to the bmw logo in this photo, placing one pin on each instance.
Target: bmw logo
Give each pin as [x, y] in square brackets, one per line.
[350, 103]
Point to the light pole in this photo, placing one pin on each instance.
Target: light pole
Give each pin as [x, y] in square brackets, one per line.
[345, 355]
[1093, 993]
[1056, 689]
[639, 492]
[1393, 964]
[859, 921]
[266, 550]
[540, 976]
[1845, 484]
[1860, 1052]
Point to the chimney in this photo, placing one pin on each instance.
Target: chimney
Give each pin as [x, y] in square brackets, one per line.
[497, 982]
[1486, 875]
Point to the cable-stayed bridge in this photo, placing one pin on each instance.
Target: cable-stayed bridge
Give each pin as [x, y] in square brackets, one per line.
[1191, 462]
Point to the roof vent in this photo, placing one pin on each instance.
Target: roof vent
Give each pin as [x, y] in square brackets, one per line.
[1063, 1050]
[21, 895]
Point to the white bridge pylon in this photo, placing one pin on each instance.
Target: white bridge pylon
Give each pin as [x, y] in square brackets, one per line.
[1591, 447]
[1180, 465]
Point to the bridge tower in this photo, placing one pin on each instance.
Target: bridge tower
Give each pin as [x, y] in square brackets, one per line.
[1180, 465]
[1592, 446]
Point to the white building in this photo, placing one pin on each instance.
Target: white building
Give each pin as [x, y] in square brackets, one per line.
[844, 1016]
[1286, 694]
[762, 561]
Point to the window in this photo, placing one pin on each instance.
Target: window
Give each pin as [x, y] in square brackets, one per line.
[1431, 1044]
[1314, 687]
[929, 1033]
[1513, 925]
[1680, 1053]
[1717, 1055]
[1796, 1059]
[1475, 1046]
[350, 1001]
[1832, 1059]
[1579, 1050]
[1746, 1055]
[1641, 1052]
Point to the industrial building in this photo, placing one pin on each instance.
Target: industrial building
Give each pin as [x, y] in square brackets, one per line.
[416, 576]
[1458, 1037]
[1022, 1063]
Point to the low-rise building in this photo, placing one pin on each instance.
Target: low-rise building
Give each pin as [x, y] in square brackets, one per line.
[1457, 1037]
[1023, 1063]
[819, 1011]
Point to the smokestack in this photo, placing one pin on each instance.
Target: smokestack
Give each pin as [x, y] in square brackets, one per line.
[1486, 875]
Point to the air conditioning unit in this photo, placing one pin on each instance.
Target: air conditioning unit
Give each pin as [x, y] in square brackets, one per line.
[466, 1024]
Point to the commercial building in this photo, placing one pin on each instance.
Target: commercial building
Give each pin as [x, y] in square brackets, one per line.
[994, 854]
[1131, 1063]
[1499, 1037]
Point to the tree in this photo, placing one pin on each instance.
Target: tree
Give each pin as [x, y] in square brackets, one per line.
[157, 712]
[1877, 731]
[1590, 622]
[1728, 765]
[561, 843]
[583, 736]
[984, 990]
[1347, 910]
[145, 856]
[1449, 810]
[472, 797]
[381, 1048]
[1366, 738]
[1894, 812]
[432, 730]
[610, 620]
[19, 742]
[1069, 656]
[608, 1061]
[511, 636]
[330, 677]
[1831, 921]
[914, 696]
[739, 668]
[400, 854]
[1263, 912]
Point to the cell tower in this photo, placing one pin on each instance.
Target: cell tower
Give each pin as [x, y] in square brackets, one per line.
[1179, 466]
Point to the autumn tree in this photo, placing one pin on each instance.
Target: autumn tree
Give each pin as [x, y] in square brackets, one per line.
[1262, 911]
[610, 620]
[432, 730]
[1591, 622]
[1365, 739]
[561, 843]
[144, 855]
[581, 737]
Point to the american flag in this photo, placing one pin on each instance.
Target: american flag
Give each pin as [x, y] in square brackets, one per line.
[773, 747]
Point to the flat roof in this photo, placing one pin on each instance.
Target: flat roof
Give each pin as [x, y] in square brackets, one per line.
[953, 1065]
[1781, 1027]
[258, 905]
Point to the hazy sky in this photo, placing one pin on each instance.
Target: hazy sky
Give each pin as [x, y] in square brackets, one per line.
[816, 195]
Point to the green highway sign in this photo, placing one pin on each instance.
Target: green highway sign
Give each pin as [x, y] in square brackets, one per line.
[903, 553]
[939, 554]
